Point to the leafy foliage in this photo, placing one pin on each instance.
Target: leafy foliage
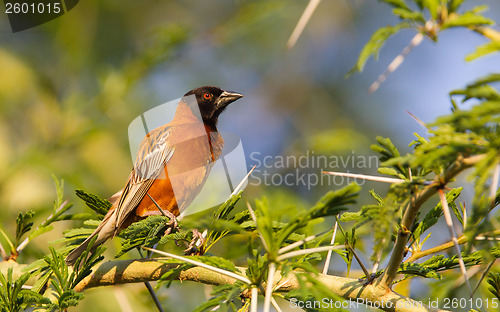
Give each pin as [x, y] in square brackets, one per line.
[332, 203]
[225, 298]
[13, 297]
[441, 15]
[494, 281]
[63, 281]
[432, 217]
[440, 263]
[24, 223]
[223, 214]
[100, 206]
[286, 238]
[375, 43]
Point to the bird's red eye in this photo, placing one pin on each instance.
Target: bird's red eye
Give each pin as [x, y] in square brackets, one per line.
[207, 96]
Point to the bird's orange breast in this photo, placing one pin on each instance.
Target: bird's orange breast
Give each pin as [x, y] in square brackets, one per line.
[185, 172]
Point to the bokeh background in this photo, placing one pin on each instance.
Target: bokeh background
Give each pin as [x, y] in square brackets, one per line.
[70, 88]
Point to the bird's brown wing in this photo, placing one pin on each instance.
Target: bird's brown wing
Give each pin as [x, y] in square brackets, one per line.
[154, 153]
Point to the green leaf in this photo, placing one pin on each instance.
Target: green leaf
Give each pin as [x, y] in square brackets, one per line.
[24, 223]
[146, 232]
[400, 4]
[59, 191]
[467, 19]
[431, 5]
[388, 171]
[494, 281]
[13, 298]
[386, 148]
[440, 263]
[418, 269]
[226, 208]
[225, 298]
[454, 5]
[432, 217]
[482, 92]
[374, 45]
[390, 156]
[485, 80]
[69, 298]
[482, 50]
[221, 216]
[63, 281]
[100, 206]
[332, 203]
[407, 14]
[366, 214]
[40, 231]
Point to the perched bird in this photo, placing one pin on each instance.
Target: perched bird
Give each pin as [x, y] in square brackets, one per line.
[171, 166]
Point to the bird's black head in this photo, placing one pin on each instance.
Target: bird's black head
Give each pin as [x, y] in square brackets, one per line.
[212, 101]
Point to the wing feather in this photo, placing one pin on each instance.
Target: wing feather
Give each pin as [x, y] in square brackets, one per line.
[154, 153]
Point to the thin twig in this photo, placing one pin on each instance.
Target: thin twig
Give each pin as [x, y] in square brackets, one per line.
[351, 249]
[150, 289]
[358, 259]
[379, 256]
[364, 177]
[494, 183]
[253, 299]
[154, 296]
[26, 241]
[299, 243]
[488, 268]
[2, 252]
[417, 200]
[269, 286]
[240, 185]
[157, 206]
[332, 241]
[275, 305]
[301, 24]
[419, 121]
[201, 264]
[471, 272]
[451, 229]
[254, 218]
[488, 32]
[6, 238]
[284, 282]
[398, 60]
[482, 238]
[461, 240]
[307, 251]
[464, 214]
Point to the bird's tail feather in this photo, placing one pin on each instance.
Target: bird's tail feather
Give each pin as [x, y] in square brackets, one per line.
[104, 231]
[77, 252]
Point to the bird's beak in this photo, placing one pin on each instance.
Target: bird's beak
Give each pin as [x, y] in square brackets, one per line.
[228, 97]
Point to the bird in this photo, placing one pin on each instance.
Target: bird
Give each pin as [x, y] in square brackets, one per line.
[171, 166]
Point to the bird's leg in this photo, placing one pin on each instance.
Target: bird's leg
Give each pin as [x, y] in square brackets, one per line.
[172, 223]
[194, 247]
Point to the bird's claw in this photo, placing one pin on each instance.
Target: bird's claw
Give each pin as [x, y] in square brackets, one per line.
[195, 246]
[172, 223]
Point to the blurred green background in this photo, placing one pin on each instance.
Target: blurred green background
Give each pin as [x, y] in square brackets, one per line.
[69, 89]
